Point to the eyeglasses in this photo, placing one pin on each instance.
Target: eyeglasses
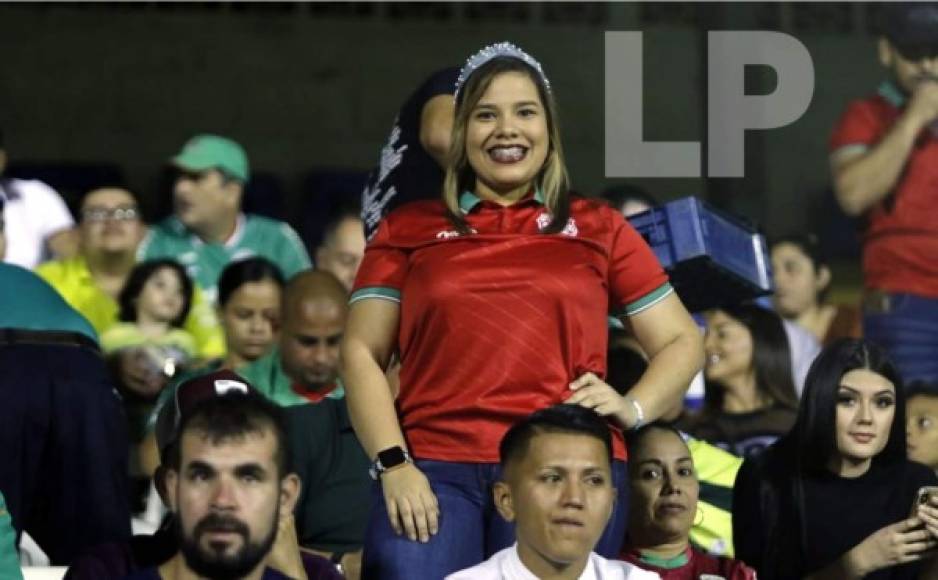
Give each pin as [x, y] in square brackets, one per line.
[118, 214]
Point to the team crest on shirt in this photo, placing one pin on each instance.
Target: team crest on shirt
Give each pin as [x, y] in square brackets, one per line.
[570, 229]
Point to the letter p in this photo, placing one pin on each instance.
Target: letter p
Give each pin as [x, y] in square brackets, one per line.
[731, 111]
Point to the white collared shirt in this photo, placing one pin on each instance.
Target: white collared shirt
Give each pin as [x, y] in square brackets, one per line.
[506, 565]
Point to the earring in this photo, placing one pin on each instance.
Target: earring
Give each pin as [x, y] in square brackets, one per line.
[701, 514]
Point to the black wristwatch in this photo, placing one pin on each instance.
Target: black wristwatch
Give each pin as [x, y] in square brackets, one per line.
[387, 459]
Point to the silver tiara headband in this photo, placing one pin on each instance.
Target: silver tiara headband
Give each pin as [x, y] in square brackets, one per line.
[502, 49]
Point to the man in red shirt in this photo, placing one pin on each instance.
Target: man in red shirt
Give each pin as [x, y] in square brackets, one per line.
[884, 155]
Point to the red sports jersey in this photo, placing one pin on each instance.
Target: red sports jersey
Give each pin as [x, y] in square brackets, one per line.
[901, 238]
[496, 324]
[692, 565]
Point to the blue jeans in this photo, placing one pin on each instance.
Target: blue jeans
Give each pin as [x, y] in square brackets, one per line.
[471, 530]
[905, 325]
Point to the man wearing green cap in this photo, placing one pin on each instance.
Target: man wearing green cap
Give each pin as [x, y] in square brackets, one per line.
[208, 229]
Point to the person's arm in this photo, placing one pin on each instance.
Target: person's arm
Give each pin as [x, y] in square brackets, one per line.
[675, 353]
[899, 543]
[436, 126]
[367, 346]
[863, 178]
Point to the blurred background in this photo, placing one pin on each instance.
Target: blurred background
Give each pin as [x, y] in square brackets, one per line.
[104, 93]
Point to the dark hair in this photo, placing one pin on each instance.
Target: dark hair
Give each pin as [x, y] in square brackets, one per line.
[624, 365]
[345, 211]
[233, 416]
[572, 419]
[635, 438]
[771, 357]
[127, 299]
[237, 274]
[777, 476]
[618, 195]
[810, 246]
[920, 387]
[814, 433]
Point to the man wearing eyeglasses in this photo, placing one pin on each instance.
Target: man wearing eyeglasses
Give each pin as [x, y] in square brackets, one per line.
[884, 162]
[110, 230]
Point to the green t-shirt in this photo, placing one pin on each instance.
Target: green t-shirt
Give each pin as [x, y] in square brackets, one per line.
[254, 236]
[266, 374]
[29, 303]
[332, 510]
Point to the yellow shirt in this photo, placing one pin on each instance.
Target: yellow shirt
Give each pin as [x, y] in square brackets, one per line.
[72, 279]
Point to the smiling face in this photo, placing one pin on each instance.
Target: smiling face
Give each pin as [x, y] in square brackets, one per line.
[507, 137]
[728, 344]
[560, 496]
[922, 429]
[866, 405]
[664, 489]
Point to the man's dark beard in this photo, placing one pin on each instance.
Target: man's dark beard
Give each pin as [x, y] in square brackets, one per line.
[218, 566]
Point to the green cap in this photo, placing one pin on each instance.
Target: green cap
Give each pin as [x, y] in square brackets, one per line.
[204, 152]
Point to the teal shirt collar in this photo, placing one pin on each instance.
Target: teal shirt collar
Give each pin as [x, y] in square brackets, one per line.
[468, 200]
[666, 563]
[891, 94]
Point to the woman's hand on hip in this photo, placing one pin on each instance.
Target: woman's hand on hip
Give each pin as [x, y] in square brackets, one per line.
[594, 393]
[412, 505]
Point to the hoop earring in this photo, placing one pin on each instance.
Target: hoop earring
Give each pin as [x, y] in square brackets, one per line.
[701, 514]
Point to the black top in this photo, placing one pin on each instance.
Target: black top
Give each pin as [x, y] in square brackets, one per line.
[839, 513]
[742, 434]
[335, 499]
[406, 172]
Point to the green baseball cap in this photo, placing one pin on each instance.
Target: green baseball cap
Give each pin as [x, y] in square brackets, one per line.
[204, 152]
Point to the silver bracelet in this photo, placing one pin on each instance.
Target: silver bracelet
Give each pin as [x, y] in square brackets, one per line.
[639, 412]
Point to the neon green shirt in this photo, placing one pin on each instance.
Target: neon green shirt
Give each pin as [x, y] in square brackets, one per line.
[716, 471]
[73, 280]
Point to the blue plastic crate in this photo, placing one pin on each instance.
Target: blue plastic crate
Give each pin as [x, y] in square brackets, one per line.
[713, 259]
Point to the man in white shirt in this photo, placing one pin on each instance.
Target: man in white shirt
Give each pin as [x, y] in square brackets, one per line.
[557, 488]
[38, 223]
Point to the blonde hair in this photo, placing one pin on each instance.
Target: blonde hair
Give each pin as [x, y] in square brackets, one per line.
[552, 179]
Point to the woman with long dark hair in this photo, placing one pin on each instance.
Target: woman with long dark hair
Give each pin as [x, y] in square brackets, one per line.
[833, 498]
[750, 398]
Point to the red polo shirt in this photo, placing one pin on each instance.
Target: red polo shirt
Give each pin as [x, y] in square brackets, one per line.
[496, 324]
[900, 245]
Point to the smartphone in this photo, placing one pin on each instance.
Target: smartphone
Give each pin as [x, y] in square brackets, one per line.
[923, 496]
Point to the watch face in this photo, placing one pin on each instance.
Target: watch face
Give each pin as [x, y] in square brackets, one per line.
[391, 457]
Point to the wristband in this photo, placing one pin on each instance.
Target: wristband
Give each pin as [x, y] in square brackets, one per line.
[639, 413]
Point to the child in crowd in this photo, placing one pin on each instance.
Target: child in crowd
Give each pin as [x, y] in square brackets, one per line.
[922, 423]
[153, 305]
